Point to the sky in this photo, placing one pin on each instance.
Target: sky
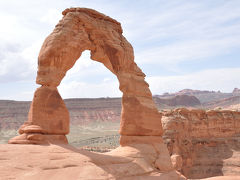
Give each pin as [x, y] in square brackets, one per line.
[178, 44]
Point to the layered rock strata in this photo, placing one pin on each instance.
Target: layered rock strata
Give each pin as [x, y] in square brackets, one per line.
[203, 143]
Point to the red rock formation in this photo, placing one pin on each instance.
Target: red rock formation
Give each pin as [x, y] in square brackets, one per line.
[142, 151]
[85, 29]
[203, 143]
[141, 129]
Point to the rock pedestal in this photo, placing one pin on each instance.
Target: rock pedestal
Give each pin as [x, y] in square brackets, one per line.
[48, 119]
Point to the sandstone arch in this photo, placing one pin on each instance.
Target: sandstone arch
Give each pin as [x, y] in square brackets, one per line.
[86, 29]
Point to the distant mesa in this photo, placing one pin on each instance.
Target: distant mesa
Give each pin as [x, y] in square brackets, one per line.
[190, 91]
[180, 100]
[236, 91]
[223, 103]
[203, 96]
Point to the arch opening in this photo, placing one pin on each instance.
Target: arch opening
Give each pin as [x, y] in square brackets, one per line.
[89, 79]
[94, 117]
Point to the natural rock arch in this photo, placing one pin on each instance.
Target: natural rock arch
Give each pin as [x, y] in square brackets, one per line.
[86, 29]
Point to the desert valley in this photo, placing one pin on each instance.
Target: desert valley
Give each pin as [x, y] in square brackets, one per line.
[103, 114]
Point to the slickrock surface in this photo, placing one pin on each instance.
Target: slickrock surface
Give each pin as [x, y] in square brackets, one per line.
[61, 162]
[203, 143]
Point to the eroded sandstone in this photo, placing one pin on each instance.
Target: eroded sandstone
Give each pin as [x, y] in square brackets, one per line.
[86, 29]
[48, 121]
[203, 143]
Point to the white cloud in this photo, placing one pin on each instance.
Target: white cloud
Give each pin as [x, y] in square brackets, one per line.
[18, 63]
[190, 50]
[30, 55]
[188, 31]
[224, 79]
[106, 79]
[78, 89]
[52, 16]
[78, 81]
[163, 33]
[212, 79]
[82, 65]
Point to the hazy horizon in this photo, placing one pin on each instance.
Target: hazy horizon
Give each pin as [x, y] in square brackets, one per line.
[114, 96]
